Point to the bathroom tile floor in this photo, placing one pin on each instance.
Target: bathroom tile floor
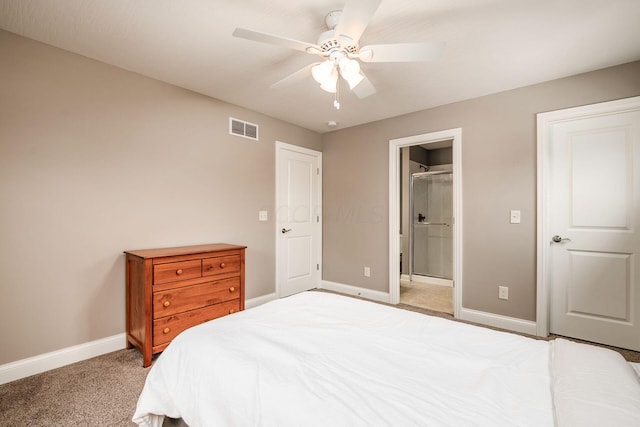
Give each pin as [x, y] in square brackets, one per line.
[427, 295]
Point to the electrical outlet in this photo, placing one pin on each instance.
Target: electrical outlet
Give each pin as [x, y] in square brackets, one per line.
[367, 272]
[503, 292]
[263, 216]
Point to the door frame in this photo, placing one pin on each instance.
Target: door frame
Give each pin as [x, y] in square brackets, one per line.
[394, 209]
[545, 121]
[281, 146]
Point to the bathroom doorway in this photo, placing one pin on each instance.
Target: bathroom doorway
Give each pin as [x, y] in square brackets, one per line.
[428, 195]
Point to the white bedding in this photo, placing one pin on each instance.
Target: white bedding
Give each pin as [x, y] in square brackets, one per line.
[319, 359]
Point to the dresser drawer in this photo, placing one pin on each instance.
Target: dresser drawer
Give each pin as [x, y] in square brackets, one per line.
[174, 271]
[221, 265]
[177, 300]
[165, 329]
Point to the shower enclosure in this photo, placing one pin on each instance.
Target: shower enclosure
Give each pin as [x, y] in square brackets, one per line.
[431, 227]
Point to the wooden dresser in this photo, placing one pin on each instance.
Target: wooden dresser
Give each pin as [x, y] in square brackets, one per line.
[171, 289]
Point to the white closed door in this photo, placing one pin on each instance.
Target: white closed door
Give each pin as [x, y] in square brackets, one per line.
[594, 228]
[298, 233]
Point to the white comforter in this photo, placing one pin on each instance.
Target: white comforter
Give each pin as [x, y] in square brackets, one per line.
[319, 359]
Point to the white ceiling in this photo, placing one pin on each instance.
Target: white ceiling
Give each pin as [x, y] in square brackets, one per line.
[491, 46]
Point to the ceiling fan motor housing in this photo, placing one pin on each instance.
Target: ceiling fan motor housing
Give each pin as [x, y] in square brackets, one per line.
[328, 41]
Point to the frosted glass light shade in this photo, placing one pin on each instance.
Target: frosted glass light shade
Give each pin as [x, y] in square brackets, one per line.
[349, 68]
[322, 71]
[330, 84]
[326, 73]
[350, 71]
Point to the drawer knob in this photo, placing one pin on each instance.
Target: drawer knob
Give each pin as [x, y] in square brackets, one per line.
[166, 330]
[166, 303]
[179, 271]
[232, 289]
[231, 311]
[222, 265]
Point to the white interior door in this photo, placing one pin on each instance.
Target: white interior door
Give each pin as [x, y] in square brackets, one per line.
[593, 227]
[299, 231]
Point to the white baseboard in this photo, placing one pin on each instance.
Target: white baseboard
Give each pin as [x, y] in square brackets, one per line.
[498, 321]
[431, 280]
[355, 290]
[405, 277]
[254, 302]
[44, 362]
[56, 359]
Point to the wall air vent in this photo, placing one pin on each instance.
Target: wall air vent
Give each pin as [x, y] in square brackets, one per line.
[243, 129]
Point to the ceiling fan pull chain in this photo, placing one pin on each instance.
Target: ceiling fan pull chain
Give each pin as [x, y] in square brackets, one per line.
[336, 101]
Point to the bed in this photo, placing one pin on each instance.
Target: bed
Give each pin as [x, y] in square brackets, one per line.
[321, 359]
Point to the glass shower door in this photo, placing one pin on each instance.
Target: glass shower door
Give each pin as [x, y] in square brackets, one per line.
[432, 210]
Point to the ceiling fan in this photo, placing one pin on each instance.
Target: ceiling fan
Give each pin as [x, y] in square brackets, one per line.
[340, 50]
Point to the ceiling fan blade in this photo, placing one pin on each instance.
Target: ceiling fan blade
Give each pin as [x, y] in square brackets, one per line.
[355, 17]
[276, 40]
[404, 52]
[364, 89]
[292, 78]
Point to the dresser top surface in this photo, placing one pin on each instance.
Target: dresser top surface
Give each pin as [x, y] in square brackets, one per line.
[183, 250]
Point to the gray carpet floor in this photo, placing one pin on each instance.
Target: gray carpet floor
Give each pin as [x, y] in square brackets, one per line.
[102, 391]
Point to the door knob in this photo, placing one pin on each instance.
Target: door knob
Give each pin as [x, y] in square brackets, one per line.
[285, 230]
[558, 239]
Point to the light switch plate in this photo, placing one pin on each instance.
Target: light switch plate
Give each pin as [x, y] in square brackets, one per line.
[515, 217]
[263, 216]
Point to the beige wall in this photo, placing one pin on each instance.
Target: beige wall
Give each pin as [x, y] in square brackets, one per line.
[95, 160]
[498, 174]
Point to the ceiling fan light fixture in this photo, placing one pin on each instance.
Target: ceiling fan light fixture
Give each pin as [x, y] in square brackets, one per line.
[350, 71]
[348, 67]
[323, 71]
[330, 84]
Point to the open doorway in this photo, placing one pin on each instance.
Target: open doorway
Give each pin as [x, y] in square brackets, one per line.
[425, 235]
[426, 220]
